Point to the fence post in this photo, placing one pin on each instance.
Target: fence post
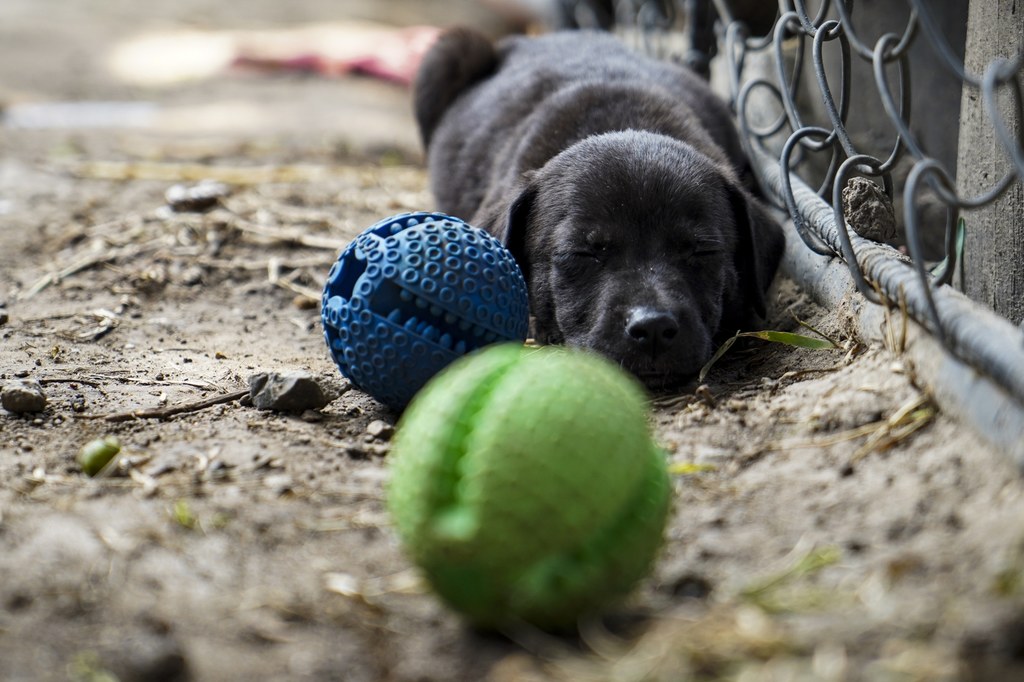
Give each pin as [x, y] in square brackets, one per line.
[994, 250]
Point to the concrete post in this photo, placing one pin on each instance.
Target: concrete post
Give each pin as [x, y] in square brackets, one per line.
[994, 250]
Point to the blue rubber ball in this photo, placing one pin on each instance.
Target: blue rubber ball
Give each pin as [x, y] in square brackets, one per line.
[412, 294]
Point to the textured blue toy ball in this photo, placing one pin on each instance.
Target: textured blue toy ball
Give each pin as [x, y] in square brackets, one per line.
[412, 294]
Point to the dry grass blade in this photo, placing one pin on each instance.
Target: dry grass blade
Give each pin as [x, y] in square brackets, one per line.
[712, 645]
[233, 175]
[811, 328]
[810, 563]
[883, 434]
[689, 468]
[895, 341]
[670, 401]
[288, 283]
[778, 593]
[911, 417]
[84, 263]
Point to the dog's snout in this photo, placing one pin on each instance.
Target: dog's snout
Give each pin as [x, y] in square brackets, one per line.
[653, 330]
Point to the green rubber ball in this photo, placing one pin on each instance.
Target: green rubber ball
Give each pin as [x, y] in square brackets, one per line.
[525, 484]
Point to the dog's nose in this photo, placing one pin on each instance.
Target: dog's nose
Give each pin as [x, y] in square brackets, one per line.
[653, 330]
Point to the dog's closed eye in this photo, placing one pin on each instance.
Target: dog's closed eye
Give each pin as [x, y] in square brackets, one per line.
[582, 258]
[594, 247]
[708, 249]
[597, 249]
[701, 248]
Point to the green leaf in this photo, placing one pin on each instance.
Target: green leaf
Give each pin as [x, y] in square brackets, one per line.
[786, 338]
[184, 515]
[722, 350]
[791, 339]
[943, 266]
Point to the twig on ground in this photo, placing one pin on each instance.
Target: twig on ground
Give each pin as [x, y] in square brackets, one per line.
[288, 282]
[165, 412]
[277, 235]
[69, 380]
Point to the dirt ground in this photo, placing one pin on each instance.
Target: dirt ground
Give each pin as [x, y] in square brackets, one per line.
[829, 522]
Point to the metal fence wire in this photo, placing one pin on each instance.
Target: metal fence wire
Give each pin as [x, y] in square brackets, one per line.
[786, 147]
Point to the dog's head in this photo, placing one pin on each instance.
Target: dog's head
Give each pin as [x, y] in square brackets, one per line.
[638, 246]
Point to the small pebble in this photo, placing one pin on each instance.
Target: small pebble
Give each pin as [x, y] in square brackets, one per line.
[291, 392]
[734, 405]
[380, 429]
[306, 303]
[280, 484]
[197, 198]
[23, 396]
[192, 276]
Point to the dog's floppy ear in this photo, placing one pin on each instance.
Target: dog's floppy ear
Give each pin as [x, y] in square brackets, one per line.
[759, 246]
[459, 58]
[509, 225]
[514, 236]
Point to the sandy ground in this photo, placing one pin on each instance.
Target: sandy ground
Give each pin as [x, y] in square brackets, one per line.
[829, 522]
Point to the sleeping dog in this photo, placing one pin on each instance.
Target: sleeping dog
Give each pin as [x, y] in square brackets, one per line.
[614, 179]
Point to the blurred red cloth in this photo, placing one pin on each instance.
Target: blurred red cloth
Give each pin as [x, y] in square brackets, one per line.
[390, 54]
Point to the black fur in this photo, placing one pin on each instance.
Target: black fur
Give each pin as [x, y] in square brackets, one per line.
[615, 181]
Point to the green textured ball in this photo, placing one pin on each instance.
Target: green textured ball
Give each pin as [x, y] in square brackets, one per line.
[526, 485]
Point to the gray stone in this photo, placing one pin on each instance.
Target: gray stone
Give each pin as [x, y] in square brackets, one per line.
[23, 396]
[289, 392]
[380, 429]
[868, 210]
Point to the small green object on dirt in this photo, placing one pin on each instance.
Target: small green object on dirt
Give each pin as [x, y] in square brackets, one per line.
[526, 485]
[96, 454]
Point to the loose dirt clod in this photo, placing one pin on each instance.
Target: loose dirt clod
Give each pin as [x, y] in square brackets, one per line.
[868, 210]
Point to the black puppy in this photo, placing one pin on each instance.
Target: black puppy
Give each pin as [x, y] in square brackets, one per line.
[614, 181]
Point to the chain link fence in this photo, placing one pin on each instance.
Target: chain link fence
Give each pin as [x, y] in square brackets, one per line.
[805, 157]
